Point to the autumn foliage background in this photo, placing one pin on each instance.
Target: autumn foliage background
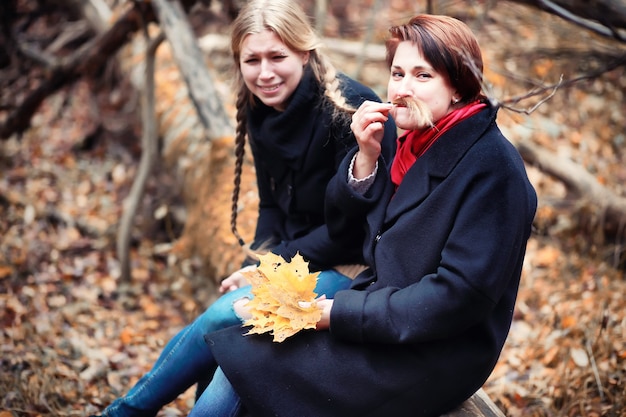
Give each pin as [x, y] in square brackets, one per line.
[74, 336]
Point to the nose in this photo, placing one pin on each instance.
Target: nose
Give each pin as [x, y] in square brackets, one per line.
[403, 88]
[266, 70]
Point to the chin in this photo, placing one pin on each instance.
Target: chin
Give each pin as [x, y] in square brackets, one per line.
[272, 102]
[407, 124]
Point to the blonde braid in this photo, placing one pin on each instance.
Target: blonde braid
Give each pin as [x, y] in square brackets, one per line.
[327, 76]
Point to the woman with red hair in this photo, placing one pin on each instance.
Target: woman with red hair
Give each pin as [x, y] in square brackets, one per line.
[447, 223]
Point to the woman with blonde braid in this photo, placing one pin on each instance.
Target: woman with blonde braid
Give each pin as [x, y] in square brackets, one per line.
[447, 222]
[296, 112]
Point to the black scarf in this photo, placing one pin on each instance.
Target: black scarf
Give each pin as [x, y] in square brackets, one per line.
[280, 140]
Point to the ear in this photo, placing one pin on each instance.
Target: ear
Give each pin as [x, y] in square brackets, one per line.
[305, 57]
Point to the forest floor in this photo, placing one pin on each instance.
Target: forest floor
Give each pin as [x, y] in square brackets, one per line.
[73, 337]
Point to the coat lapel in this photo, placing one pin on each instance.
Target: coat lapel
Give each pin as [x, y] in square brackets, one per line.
[437, 163]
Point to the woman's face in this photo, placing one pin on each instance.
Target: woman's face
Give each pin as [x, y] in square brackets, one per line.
[270, 69]
[412, 77]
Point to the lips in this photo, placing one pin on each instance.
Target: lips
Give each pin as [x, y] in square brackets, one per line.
[400, 102]
[269, 88]
[417, 110]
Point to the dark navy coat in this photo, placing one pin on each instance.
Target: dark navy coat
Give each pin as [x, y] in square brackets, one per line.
[421, 330]
[296, 153]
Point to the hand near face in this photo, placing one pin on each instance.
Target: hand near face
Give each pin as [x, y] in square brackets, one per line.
[368, 126]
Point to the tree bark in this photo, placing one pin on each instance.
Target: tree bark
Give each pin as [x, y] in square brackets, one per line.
[606, 17]
[596, 205]
[191, 64]
[85, 61]
[478, 405]
[149, 158]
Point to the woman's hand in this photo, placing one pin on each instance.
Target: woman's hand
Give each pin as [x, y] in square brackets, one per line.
[235, 280]
[241, 309]
[368, 126]
[325, 305]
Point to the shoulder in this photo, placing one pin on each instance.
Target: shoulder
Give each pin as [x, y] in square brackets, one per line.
[355, 92]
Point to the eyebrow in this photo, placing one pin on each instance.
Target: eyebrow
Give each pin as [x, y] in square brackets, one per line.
[281, 51]
[415, 68]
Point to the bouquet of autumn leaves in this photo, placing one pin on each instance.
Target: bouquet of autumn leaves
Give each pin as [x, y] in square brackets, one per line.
[284, 301]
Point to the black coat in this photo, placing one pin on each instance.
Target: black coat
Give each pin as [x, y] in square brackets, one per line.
[420, 331]
[296, 153]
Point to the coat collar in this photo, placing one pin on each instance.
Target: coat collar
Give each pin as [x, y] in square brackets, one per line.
[439, 160]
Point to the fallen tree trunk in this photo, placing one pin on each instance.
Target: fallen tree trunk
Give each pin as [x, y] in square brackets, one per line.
[595, 205]
[478, 405]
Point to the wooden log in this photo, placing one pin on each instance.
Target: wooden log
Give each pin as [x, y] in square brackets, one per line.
[478, 405]
[596, 205]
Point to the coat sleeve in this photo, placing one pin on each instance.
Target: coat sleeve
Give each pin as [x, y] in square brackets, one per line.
[346, 210]
[356, 93]
[478, 271]
[325, 246]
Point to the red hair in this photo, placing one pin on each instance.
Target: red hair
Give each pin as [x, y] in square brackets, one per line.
[448, 45]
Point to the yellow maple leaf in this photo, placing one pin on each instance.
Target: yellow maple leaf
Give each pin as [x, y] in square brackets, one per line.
[280, 288]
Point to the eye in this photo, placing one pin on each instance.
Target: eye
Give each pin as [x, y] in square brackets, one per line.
[279, 57]
[251, 61]
[423, 75]
[396, 75]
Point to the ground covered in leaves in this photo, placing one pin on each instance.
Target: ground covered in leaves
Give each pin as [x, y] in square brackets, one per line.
[73, 336]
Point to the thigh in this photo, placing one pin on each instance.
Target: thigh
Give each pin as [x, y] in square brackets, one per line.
[330, 281]
[221, 313]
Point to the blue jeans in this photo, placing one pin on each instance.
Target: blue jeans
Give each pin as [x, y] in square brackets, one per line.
[186, 359]
[218, 400]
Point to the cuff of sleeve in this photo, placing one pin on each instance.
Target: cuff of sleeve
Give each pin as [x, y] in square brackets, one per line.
[346, 315]
[361, 185]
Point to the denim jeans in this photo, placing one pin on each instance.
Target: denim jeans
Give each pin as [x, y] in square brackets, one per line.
[218, 400]
[186, 359]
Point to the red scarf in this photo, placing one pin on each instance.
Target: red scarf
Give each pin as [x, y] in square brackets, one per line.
[415, 143]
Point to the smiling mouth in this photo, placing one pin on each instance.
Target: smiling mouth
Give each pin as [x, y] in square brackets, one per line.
[269, 88]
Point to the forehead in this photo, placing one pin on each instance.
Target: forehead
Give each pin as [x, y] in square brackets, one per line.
[263, 42]
[409, 55]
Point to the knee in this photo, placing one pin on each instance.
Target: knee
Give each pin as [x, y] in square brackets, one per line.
[218, 316]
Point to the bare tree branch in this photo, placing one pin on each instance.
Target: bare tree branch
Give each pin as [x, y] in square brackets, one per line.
[533, 93]
[149, 156]
[619, 62]
[604, 17]
[88, 59]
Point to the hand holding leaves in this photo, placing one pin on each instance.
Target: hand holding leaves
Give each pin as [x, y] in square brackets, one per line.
[284, 301]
